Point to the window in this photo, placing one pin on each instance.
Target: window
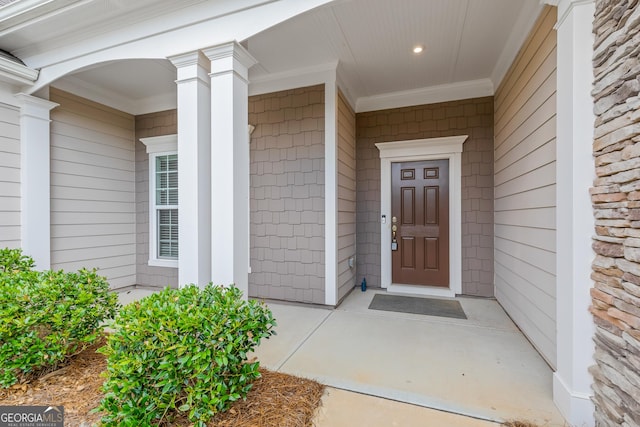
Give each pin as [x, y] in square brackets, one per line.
[163, 200]
[166, 206]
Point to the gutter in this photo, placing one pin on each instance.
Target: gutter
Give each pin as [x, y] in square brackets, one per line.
[13, 72]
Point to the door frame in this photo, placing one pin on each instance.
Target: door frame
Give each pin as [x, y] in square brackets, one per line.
[449, 148]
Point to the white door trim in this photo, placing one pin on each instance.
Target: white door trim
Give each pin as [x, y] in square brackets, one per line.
[449, 148]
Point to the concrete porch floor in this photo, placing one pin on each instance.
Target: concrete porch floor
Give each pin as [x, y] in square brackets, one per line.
[395, 369]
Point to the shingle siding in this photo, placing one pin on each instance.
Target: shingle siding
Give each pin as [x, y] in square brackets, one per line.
[346, 196]
[473, 117]
[148, 125]
[287, 195]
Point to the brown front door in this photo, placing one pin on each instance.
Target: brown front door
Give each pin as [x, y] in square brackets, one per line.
[420, 209]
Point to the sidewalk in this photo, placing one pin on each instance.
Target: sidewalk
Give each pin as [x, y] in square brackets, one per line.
[342, 408]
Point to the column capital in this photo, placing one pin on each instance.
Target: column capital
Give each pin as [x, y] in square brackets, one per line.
[190, 58]
[565, 7]
[191, 66]
[34, 106]
[230, 57]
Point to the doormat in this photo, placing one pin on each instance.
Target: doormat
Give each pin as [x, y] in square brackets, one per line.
[416, 305]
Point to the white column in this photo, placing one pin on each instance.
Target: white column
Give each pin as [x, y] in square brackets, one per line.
[35, 218]
[194, 168]
[230, 65]
[575, 225]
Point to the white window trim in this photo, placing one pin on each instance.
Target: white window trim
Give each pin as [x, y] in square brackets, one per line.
[449, 148]
[157, 146]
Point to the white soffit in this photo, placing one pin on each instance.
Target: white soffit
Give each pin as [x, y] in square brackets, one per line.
[137, 86]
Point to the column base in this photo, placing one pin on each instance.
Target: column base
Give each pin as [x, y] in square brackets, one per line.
[576, 408]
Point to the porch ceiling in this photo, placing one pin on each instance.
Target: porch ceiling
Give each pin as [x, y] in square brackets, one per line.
[467, 44]
[373, 39]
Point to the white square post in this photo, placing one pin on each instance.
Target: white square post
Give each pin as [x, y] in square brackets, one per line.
[194, 168]
[35, 192]
[230, 65]
[574, 215]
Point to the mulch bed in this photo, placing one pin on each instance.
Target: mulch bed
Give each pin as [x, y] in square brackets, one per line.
[276, 399]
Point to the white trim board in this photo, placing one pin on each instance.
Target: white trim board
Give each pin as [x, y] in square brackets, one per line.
[330, 193]
[449, 148]
[427, 95]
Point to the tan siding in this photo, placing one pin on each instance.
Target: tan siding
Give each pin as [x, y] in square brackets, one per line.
[473, 117]
[287, 195]
[346, 196]
[9, 176]
[92, 189]
[524, 179]
[148, 125]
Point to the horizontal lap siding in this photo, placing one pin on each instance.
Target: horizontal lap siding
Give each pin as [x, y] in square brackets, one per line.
[525, 191]
[346, 196]
[92, 189]
[9, 176]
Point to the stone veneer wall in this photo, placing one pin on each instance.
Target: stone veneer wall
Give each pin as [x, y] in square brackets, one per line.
[616, 202]
[473, 117]
[152, 124]
[287, 195]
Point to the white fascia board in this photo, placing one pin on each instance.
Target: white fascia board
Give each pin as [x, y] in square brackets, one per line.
[293, 79]
[521, 29]
[12, 72]
[427, 95]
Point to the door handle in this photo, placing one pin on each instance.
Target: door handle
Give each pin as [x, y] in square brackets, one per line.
[394, 242]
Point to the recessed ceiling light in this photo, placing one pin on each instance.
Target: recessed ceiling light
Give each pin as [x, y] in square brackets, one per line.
[418, 49]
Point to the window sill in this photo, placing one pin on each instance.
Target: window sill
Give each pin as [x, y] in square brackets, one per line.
[170, 263]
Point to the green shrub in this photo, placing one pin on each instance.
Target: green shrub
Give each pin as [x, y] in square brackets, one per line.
[182, 352]
[12, 260]
[46, 317]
